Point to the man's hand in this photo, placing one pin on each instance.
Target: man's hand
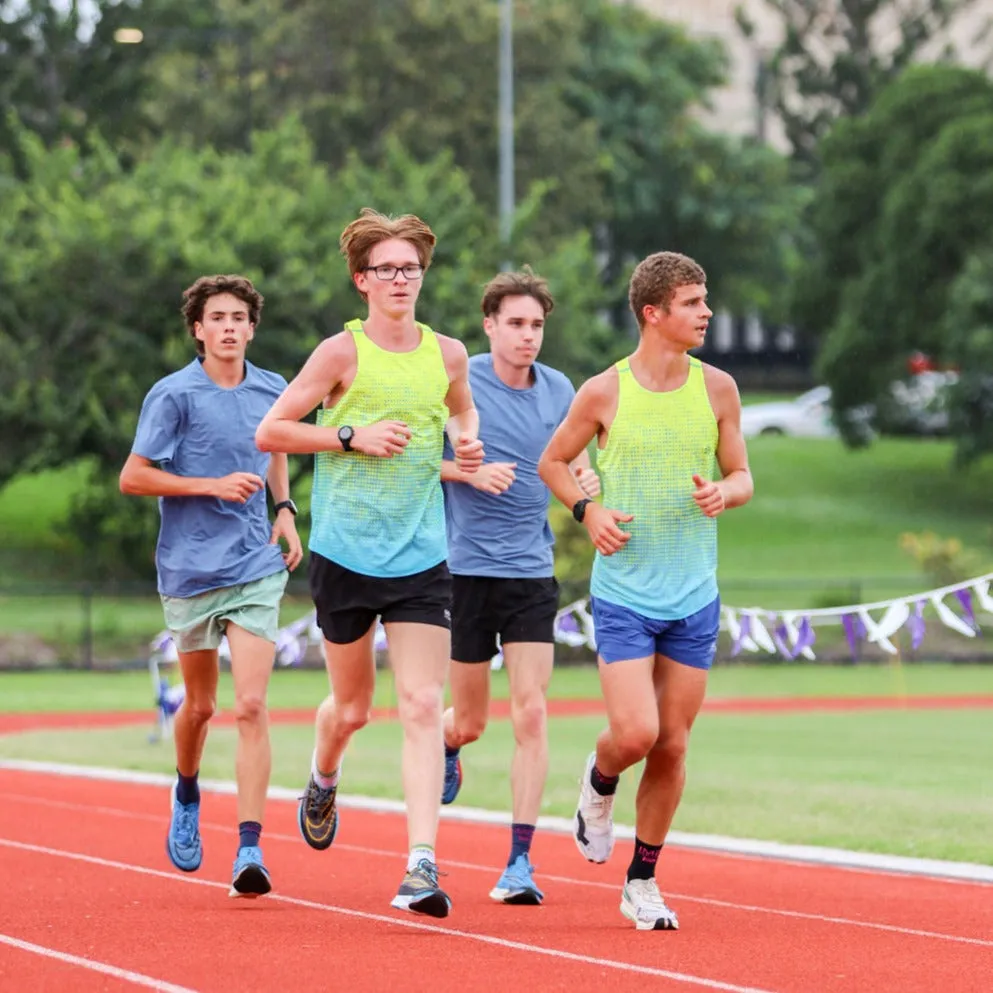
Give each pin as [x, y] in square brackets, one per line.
[468, 453]
[494, 477]
[384, 439]
[709, 496]
[589, 482]
[236, 487]
[285, 528]
[601, 525]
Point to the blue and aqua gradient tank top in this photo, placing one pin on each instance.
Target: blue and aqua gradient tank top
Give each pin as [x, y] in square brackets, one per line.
[385, 517]
[668, 568]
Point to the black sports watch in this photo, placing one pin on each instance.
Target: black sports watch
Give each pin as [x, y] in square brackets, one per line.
[345, 435]
[285, 505]
[579, 509]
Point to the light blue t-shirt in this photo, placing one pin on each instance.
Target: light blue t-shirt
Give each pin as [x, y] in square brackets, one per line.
[193, 427]
[507, 536]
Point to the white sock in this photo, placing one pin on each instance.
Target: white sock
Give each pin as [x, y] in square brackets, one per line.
[325, 782]
[417, 853]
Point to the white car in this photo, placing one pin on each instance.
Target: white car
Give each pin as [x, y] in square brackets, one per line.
[807, 416]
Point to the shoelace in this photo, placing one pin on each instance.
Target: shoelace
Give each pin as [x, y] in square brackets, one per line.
[186, 823]
[649, 894]
[319, 797]
[427, 871]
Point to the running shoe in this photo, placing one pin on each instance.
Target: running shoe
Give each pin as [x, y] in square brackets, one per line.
[593, 828]
[516, 885]
[250, 877]
[183, 840]
[317, 815]
[642, 903]
[453, 778]
[420, 893]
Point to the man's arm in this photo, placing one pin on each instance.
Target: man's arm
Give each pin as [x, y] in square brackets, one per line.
[285, 527]
[736, 486]
[281, 429]
[592, 408]
[141, 477]
[462, 426]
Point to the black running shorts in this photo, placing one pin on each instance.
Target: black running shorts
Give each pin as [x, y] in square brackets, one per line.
[348, 603]
[515, 609]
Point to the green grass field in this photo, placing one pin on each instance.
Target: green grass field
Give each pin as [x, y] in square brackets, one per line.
[824, 527]
[910, 782]
[47, 692]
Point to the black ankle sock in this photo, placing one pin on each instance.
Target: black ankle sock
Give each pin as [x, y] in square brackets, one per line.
[248, 834]
[450, 752]
[643, 863]
[187, 788]
[604, 785]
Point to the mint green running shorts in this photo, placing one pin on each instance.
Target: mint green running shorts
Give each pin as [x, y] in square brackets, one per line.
[198, 623]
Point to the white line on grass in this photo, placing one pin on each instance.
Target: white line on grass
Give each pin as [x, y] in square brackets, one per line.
[398, 856]
[486, 939]
[108, 970]
[840, 858]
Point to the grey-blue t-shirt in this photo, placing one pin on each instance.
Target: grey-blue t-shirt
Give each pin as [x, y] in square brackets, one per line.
[507, 536]
[193, 427]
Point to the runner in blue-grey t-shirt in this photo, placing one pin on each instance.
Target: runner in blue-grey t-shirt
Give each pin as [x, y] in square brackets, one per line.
[221, 570]
[500, 555]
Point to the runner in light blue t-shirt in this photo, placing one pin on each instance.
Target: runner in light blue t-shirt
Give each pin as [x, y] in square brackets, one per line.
[500, 555]
[221, 570]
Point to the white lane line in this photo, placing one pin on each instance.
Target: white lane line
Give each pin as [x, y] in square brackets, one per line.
[416, 925]
[491, 870]
[838, 858]
[94, 966]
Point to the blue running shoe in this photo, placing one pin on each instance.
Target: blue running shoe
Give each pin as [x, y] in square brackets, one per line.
[453, 777]
[183, 841]
[516, 885]
[251, 877]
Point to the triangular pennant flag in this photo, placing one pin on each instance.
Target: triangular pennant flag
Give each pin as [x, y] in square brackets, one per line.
[873, 633]
[950, 619]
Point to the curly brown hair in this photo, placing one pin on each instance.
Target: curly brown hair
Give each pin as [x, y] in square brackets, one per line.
[524, 283]
[655, 280]
[195, 298]
[371, 227]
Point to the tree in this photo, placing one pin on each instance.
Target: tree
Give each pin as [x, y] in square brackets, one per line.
[899, 221]
[834, 57]
[96, 256]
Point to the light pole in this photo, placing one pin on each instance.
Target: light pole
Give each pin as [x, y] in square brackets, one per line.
[243, 37]
[506, 128]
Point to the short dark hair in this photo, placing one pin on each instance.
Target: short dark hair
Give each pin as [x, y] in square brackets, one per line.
[195, 298]
[516, 284]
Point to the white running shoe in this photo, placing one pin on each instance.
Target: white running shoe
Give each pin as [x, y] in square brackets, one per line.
[593, 828]
[642, 903]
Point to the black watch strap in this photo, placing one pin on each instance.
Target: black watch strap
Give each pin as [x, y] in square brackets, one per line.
[579, 509]
[285, 505]
[345, 434]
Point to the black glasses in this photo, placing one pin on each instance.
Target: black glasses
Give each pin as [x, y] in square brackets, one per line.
[387, 272]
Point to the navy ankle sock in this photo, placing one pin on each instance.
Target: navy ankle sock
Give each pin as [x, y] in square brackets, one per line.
[520, 841]
[248, 834]
[187, 788]
[604, 785]
[643, 863]
[450, 753]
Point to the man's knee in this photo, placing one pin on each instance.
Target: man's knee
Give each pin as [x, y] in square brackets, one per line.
[469, 725]
[530, 718]
[635, 739]
[352, 716]
[421, 707]
[250, 708]
[669, 751]
[199, 708]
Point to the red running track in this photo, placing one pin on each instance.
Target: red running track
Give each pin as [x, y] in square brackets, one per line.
[85, 876]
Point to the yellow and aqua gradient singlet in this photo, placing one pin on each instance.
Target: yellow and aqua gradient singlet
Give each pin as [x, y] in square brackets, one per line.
[385, 517]
[668, 568]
